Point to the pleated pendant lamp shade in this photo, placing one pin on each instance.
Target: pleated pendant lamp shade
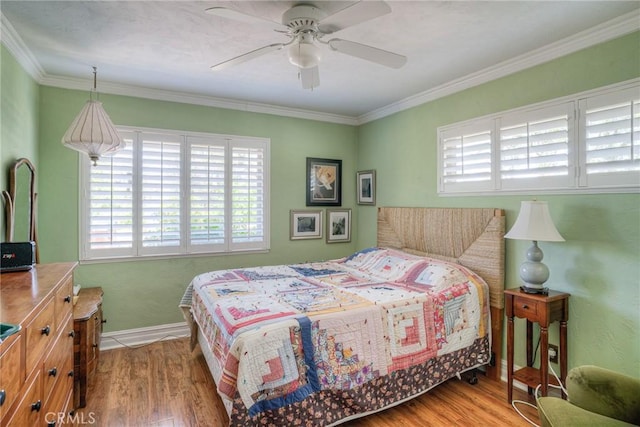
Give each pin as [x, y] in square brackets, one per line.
[92, 131]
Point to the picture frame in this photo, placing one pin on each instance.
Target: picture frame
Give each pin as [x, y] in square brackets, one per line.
[305, 224]
[338, 225]
[324, 182]
[366, 187]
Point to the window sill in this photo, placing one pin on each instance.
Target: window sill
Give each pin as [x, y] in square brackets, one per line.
[108, 260]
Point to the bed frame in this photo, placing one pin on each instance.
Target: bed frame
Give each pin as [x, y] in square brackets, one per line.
[473, 237]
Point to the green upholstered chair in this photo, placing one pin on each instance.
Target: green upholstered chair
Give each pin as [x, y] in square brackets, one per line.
[597, 397]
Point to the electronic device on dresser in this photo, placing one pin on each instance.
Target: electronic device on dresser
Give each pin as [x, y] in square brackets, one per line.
[17, 256]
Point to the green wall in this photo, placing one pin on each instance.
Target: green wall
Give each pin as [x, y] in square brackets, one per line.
[146, 292]
[18, 119]
[599, 264]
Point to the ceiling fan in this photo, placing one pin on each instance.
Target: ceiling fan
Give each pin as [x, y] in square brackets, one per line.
[307, 26]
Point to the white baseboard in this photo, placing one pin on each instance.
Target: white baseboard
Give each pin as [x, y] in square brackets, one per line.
[139, 336]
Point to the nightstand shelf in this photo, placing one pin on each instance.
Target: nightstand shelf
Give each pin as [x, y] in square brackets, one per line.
[543, 309]
[531, 377]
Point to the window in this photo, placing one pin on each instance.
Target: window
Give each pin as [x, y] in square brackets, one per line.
[534, 148]
[466, 157]
[611, 139]
[171, 193]
[586, 142]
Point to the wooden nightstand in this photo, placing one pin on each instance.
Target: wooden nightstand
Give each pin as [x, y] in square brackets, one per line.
[542, 309]
[87, 325]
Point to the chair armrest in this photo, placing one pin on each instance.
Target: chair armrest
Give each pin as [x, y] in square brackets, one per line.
[555, 412]
[605, 392]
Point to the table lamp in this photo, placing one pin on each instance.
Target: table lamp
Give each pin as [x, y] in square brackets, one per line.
[534, 223]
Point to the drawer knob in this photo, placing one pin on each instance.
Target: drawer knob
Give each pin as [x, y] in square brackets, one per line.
[104, 320]
[53, 372]
[3, 396]
[72, 334]
[67, 298]
[46, 330]
[70, 374]
[525, 306]
[36, 406]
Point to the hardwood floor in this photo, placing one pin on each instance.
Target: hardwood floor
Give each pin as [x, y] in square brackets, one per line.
[164, 384]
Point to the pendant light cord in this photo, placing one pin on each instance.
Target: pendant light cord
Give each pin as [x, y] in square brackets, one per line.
[95, 84]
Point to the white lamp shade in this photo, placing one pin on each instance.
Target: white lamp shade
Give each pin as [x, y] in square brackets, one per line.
[534, 223]
[304, 55]
[92, 132]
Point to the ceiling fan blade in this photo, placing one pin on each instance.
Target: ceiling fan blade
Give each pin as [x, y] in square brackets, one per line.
[356, 13]
[310, 77]
[247, 56]
[236, 15]
[369, 53]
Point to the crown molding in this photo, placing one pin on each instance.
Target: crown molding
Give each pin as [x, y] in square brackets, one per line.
[194, 99]
[601, 33]
[13, 42]
[606, 31]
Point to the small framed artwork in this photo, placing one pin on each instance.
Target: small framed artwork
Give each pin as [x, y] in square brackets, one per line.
[338, 225]
[306, 224]
[324, 182]
[366, 186]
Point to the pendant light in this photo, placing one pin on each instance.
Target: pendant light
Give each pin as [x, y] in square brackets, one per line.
[92, 131]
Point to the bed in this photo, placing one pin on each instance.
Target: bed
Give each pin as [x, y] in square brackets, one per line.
[321, 343]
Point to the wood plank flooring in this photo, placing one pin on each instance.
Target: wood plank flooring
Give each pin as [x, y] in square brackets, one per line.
[164, 384]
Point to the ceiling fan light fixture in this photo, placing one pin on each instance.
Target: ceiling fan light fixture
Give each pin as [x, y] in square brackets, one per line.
[304, 55]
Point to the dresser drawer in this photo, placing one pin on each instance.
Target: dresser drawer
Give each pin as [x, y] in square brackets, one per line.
[29, 409]
[58, 404]
[11, 371]
[64, 300]
[40, 334]
[59, 361]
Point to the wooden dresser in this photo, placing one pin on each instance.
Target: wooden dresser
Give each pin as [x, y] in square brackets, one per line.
[87, 323]
[36, 364]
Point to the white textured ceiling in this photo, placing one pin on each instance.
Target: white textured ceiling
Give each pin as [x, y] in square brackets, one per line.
[170, 46]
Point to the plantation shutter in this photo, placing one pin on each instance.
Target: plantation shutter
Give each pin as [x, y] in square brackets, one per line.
[466, 157]
[534, 148]
[207, 194]
[110, 203]
[176, 194]
[160, 213]
[611, 138]
[248, 190]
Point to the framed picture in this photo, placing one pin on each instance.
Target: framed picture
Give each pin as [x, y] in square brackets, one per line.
[338, 225]
[366, 187]
[306, 224]
[324, 182]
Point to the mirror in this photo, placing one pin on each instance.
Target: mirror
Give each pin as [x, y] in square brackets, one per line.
[20, 204]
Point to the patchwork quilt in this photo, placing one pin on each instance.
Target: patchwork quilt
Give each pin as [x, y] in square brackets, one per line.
[283, 334]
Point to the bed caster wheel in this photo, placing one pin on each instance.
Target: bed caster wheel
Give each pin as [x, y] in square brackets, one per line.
[473, 380]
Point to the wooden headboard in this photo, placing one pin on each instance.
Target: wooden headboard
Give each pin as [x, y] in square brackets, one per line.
[473, 237]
